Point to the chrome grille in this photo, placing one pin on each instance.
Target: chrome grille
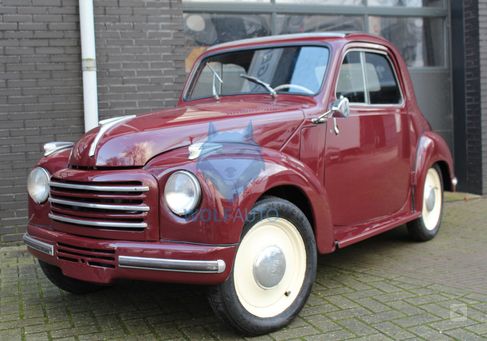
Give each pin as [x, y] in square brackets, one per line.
[110, 205]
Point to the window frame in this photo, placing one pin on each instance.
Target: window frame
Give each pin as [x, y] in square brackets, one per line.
[363, 51]
[197, 68]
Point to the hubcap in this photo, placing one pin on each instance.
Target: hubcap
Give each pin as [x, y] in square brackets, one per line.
[431, 199]
[269, 267]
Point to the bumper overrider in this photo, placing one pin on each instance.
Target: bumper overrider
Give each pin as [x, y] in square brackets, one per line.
[104, 261]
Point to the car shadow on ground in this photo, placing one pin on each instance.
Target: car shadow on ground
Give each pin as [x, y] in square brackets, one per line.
[171, 309]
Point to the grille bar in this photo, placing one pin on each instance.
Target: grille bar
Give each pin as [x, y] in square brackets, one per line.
[74, 250]
[134, 208]
[62, 254]
[78, 195]
[97, 215]
[122, 225]
[99, 188]
[93, 257]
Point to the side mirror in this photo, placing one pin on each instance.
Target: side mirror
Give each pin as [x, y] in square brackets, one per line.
[341, 107]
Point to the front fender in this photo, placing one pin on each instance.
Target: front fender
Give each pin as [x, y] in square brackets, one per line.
[283, 170]
[220, 219]
[432, 149]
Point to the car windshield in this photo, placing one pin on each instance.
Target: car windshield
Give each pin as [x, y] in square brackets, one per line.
[293, 70]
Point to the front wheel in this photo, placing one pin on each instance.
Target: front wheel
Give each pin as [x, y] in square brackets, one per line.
[427, 226]
[273, 273]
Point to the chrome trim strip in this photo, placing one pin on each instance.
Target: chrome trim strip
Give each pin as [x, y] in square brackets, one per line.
[100, 188]
[101, 206]
[98, 223]
[176, 265]
[53, 147]
[38, 245]
[278, 38]
[106, 125]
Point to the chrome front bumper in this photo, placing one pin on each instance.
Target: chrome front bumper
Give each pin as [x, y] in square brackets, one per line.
[161, 264]
[145, 263]
[35, 244]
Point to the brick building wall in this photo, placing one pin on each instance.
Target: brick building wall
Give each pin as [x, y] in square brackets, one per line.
[483, 83]
[140, 57]
[472, 97]
[467, 99]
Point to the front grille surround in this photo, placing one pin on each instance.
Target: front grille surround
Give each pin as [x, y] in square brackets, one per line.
[114, 209]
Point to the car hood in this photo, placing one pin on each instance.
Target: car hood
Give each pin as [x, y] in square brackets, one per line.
[133, 142]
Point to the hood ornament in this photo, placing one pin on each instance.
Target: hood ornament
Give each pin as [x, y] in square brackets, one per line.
[106, 125]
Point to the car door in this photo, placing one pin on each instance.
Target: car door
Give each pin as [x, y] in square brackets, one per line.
[367, 153]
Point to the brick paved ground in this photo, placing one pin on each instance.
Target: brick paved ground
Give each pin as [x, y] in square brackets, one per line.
[384, 288]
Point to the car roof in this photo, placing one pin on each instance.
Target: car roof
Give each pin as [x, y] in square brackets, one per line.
[296, 37]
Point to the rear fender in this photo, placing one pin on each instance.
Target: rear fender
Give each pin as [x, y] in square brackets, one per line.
[432, 149]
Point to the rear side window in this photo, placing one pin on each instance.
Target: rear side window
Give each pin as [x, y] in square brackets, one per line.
[351, 82]
[369, 78]
[381, 80]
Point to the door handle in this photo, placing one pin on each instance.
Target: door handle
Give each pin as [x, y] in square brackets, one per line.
[336, 129]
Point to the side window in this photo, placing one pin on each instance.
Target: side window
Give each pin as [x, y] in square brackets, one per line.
[351, 79]
[381, 82]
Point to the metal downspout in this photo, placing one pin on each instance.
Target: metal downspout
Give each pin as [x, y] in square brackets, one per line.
[88, 63]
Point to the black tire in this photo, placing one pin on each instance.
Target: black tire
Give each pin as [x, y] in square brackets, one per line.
[418, 229]
[224, 298]
[74, 286]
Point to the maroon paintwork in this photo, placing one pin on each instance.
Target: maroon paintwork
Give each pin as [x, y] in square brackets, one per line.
[366, 180]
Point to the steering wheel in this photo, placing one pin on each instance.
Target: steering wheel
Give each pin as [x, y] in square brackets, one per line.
[294, 86]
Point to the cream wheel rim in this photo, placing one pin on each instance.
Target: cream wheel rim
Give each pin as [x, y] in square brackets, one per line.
[275, 247]
[432, 199]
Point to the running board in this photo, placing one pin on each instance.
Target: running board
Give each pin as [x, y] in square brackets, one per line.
[378, 229]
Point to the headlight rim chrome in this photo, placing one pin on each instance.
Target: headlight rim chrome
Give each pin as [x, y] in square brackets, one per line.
[48, 177]
[197, 187]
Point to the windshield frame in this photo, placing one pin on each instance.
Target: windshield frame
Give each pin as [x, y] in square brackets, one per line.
[197, 68]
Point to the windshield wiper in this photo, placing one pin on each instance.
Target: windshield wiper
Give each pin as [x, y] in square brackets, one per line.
[215, 76]
[260, 82]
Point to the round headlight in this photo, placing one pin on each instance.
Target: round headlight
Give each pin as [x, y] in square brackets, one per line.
[38, 184]
[182, 192]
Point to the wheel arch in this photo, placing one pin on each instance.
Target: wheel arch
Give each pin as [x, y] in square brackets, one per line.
[296, 196]
[432, 150]
[310, 198]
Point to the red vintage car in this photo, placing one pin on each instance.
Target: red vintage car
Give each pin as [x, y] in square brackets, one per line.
[280, 148]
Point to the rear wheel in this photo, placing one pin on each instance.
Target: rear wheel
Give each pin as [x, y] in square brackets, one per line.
[74, 286]
[427, 226]
[273, 273]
